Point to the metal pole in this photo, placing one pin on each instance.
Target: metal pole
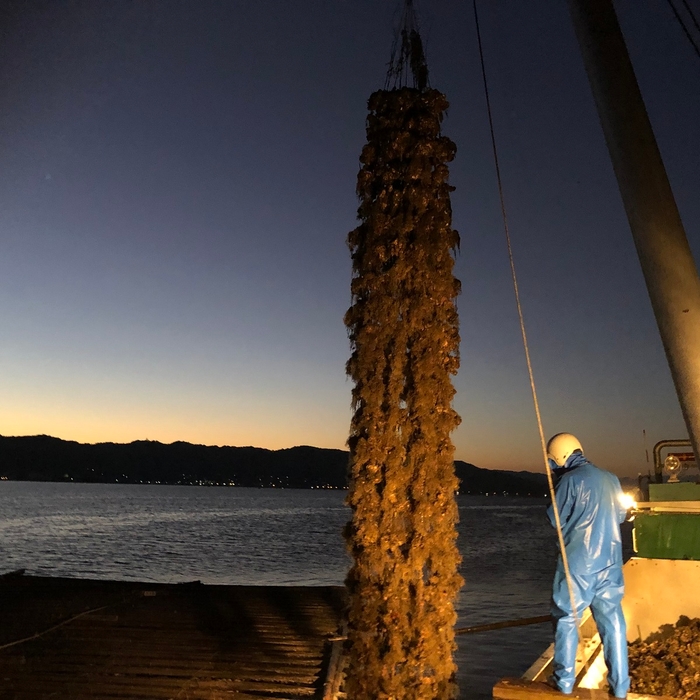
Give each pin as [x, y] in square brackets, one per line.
[667, 263]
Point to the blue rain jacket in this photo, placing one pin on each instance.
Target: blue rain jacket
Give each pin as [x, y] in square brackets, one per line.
[590, 512]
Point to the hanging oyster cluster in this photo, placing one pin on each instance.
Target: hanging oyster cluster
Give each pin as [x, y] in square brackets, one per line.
[403, 328]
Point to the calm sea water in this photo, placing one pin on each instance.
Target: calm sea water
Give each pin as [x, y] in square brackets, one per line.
[268, 536]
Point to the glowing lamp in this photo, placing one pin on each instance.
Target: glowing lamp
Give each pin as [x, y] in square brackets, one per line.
[672, 466]
[627, 501]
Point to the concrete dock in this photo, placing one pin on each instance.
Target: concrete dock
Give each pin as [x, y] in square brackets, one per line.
[74, 638]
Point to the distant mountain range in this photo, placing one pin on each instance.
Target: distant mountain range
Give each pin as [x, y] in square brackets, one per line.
[44, 458]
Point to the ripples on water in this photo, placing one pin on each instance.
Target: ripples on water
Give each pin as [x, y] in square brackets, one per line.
[173, 533]
[267, 536]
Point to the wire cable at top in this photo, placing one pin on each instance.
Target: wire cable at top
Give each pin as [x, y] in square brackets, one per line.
[407, 63]
[692, 14]
[686, 31]
[550, 481]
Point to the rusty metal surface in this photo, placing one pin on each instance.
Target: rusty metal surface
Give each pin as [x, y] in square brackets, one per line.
[185, 641]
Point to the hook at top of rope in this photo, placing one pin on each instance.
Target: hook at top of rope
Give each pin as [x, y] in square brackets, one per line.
[407, 55]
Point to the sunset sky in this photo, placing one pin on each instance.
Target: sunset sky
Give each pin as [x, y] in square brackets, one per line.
[177, 182]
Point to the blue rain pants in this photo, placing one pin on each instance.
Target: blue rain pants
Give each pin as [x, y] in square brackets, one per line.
[603, 592]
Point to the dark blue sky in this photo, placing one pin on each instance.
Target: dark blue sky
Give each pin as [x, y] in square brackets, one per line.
[178, 180]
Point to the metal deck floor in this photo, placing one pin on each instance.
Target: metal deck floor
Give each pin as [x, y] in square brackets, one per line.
[188, 641]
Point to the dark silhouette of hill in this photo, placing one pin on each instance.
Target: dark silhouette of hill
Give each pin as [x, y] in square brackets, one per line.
[475, 480]
[44, 458]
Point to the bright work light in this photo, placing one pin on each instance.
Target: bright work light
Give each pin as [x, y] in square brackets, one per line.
[627, 501]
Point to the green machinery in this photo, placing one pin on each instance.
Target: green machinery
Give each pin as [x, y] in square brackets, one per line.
[661, 579]
[667, 526]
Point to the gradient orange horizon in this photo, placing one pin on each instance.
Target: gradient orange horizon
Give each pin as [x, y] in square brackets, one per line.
[85, 428]
[497, 431]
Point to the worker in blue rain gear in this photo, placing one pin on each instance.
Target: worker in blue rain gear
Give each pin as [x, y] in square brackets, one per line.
[591, 509]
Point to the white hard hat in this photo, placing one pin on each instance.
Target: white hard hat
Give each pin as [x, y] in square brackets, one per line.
[561, 447]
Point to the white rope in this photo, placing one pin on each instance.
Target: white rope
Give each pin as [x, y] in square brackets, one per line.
[55, 627]
[543, 444]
